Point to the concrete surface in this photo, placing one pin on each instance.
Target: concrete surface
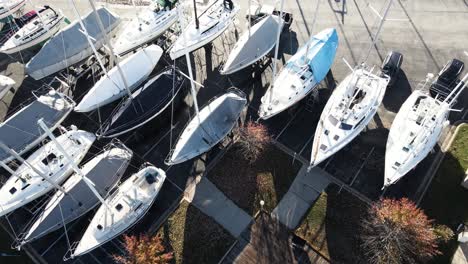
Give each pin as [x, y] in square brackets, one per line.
[427, 32]
[212, 202]
[303, 192]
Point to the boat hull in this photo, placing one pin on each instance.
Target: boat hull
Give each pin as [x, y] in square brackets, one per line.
[148, 102]
[104, 171]
[212, 124]
[213, 22]
[253, 46]
[332, 134]
[20, 131]
[69, 46]
[301, 74]
[404, 151]
[12, 45]
[159, 23]
[13, 7]
[111, 87]
[127, 216]
[16, 193]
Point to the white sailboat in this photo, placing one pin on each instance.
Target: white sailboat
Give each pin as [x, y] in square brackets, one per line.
[38, 30]
[6, 83]
[209, 126]
[351, 106]
[123, 209]
[104, 171]
[253, 45]
[348, 111]
[112, 86]
[206, 28]
[415, 130]
[27, 182]
[149, 25]
[302, 73]
[9, 7]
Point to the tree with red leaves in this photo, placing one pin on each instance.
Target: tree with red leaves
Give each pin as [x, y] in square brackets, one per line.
[397, 231]
[144, 250]
[253, 138]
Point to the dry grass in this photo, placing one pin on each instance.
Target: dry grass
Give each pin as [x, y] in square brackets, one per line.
[194, 237]
[246, 183]
[445, 200]
[332, 226]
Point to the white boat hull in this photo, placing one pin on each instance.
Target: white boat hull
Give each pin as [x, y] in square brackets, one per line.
[16, 193]
[129, 204]
[11, 7]
[136, 69]
[252, 47]
[147, 27]
[411, 138]
[29, 32]
[335, 130]
[213, 22]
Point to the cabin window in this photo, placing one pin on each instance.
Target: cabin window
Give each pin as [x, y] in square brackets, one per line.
[51, 157]
[326, 132]
[323, 147]
[77, 142]
[17, 36]
[26, 186]
[336, 137]
[13, 190]
[118, 207]
[345, 126]
[36, 23]
[405, 149]
[332, 120]
[150, 178]
[397, 164]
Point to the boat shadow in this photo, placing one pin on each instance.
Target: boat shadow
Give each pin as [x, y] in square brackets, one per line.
[397, 94]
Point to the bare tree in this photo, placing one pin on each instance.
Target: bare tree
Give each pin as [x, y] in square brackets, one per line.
[396, 231]
[252, 139]
[144, 249]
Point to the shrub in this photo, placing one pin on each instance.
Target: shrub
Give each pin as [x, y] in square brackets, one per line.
[252, 140]
[144, 250]
[443, 233]
[396, 231]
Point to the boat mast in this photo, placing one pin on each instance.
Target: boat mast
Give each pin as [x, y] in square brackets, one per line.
[27, 163]
[85, 32]
[38, 15]
[278, 34]
[250, 21]
[376, 36]
[72, 163]
[197, 23]
[189, 66]
[311, 31]
[110, 48]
